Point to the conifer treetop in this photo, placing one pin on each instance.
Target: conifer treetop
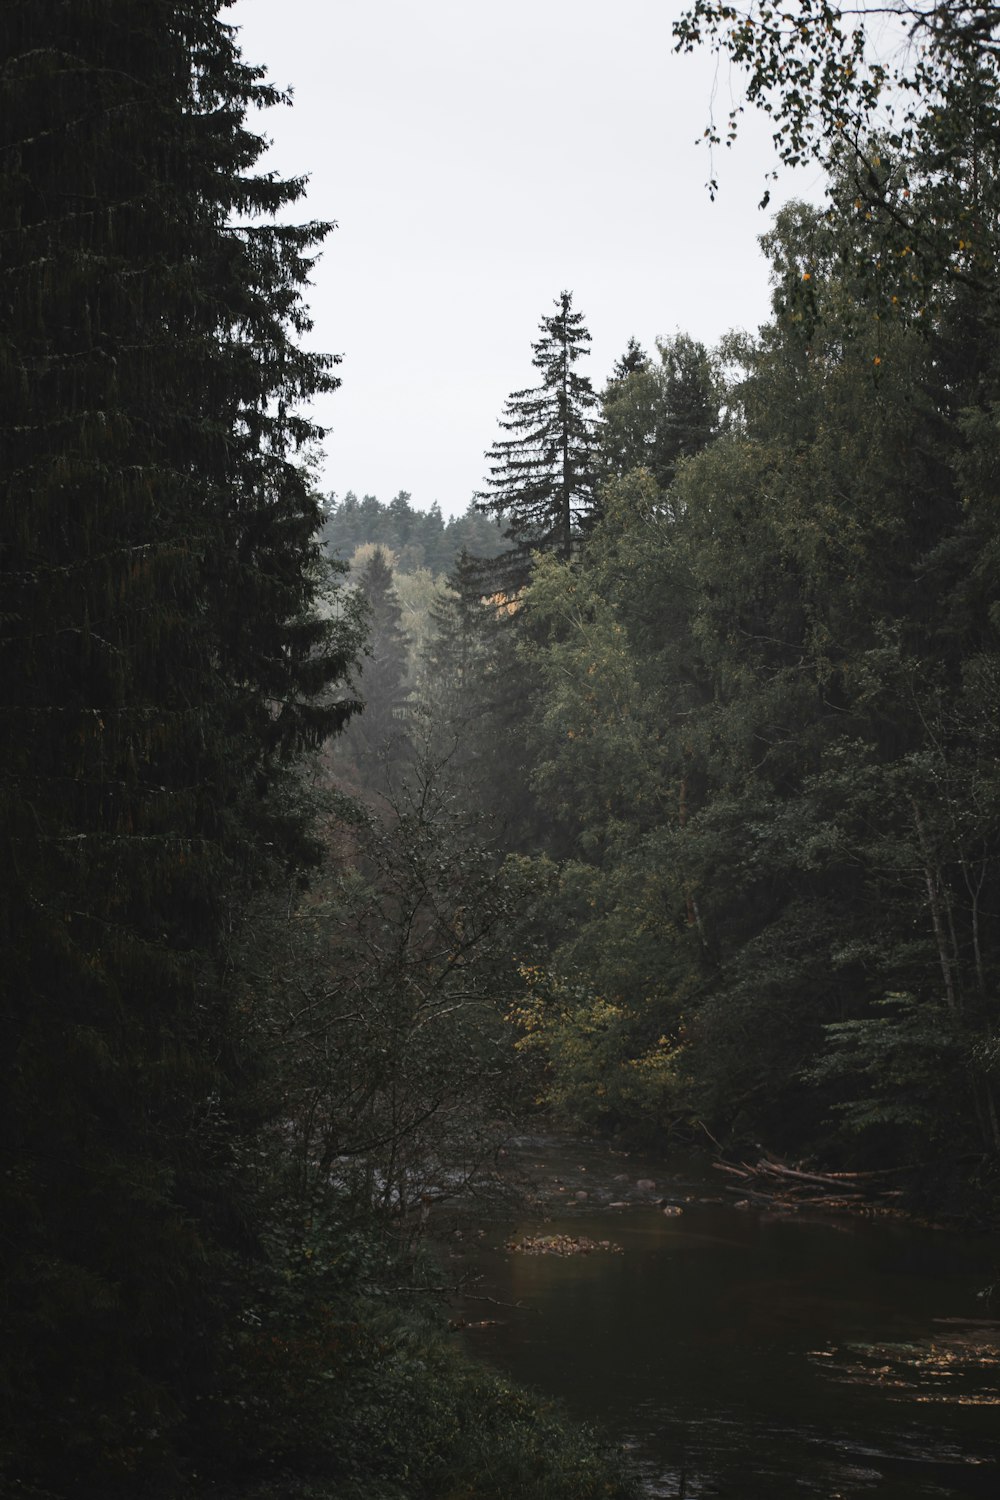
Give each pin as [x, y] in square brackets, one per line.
[540, 481]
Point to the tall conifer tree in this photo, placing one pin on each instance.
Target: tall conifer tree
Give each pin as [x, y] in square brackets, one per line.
[160, 664]
[541, 482]
[381, 729]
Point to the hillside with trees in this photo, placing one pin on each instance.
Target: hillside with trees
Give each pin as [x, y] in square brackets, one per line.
[739, 728]
[657, 796]
[757, 702]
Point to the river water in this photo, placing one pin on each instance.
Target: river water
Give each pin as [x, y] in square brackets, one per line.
[737, 1352]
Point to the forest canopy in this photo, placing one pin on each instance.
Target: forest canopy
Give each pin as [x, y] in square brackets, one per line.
[656, 795]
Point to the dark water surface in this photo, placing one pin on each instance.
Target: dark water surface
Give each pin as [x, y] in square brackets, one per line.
[744, 1353]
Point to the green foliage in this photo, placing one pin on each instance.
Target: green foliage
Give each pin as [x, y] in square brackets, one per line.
[340, 1388]
[655, 413]
[163, 663]
[600, 1067]
[740, 727]
[904, 1064]
[379, 735]
[824, 77]
[765, 699]
[593, 712]
[900, 100]
[478, 696]
[458, 654]
[379, 995]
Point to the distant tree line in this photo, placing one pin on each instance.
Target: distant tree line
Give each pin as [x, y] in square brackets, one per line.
[416, 538]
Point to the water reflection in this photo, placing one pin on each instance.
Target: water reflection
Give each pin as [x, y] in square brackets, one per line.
[751, 1355]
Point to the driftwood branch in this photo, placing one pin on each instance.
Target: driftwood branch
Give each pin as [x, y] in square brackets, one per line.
[769, 1182]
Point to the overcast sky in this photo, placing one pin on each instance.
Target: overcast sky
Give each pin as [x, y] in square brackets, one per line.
[479, 158]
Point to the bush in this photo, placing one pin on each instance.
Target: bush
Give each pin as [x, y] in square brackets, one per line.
[339, 1392]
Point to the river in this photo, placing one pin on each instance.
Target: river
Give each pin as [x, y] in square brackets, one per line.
[737, 1352]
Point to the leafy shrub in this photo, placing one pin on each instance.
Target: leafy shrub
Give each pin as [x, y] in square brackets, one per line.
[339, 1391]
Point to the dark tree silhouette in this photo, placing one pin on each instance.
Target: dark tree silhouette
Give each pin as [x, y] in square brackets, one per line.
[160, 665]
[541, 482]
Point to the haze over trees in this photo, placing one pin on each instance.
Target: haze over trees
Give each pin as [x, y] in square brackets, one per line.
[755, 700]
[415, 538]
[195, 1302]
[685, 821]
[748, 714]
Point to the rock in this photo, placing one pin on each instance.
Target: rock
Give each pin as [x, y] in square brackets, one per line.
[673, 1210]
[645, 1184]
[618, 1205]
[581, 1196]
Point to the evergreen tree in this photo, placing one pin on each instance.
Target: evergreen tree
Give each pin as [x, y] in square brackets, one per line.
[474, 533]
[161, 664]
[657, 413]
[478, 696]
[457, 660]
[629, 405]
[790, 876]
[419, 539]
[381, 729]
[541, 483]
[634, 358]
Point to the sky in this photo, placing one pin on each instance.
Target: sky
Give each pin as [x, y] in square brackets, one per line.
[478, 159]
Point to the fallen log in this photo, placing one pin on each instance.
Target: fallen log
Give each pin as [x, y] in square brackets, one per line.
[790, 1176]
[819, 1179]
[772, 1183]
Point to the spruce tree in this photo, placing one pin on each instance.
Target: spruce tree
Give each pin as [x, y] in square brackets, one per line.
[541, 483]
[160, 666]
[380, 730]
[458, 665]
[657, 413]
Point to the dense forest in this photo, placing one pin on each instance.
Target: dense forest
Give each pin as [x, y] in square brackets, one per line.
[417, 539]
[231, 998]
[657, 795]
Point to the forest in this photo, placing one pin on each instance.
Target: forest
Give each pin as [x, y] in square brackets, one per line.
[655, 798]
